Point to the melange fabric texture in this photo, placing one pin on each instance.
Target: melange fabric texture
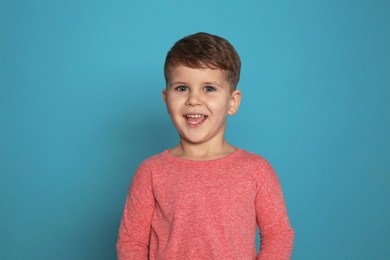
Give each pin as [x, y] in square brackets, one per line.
[184, 209]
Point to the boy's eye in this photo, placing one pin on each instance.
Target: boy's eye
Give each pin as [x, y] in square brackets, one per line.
[181, 88]
[209, 89]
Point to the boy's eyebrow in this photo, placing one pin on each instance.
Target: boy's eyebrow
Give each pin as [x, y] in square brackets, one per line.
[213, 83]
[176, 83]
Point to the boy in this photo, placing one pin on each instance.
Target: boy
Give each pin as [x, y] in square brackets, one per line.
[204, 198]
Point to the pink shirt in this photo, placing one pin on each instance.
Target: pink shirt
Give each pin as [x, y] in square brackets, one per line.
[183, 209]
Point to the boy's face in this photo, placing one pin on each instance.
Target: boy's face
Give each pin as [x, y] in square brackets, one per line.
[198, 102]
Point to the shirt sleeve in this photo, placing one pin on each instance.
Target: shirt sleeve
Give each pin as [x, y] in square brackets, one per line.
[277, 236]
[135, 226]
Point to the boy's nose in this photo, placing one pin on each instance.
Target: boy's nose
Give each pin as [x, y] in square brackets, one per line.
[193, 99]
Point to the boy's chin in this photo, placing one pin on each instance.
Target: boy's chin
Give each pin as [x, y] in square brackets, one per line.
[193, 140]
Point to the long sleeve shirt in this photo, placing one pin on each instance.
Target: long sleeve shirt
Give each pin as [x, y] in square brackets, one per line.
[184, 209]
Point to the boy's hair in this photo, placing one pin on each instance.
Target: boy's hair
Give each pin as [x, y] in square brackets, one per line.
[203, 50]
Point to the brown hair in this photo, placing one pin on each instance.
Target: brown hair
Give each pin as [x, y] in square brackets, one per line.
[203, 50]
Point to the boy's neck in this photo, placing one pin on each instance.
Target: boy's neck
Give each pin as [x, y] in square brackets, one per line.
[202, 152]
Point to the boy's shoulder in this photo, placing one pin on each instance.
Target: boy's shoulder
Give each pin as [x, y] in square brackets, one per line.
[153, 160]
[248, 156]
[251, 155]
[247, 165]
[254, 160]
[239, 157]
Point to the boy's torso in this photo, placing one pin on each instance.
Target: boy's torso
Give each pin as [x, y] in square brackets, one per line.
[204, 209]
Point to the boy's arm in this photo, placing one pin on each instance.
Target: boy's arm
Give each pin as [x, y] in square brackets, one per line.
[277, 236]
[134, 230]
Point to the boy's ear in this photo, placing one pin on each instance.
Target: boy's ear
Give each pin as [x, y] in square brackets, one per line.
[235, 100]
[164, 95]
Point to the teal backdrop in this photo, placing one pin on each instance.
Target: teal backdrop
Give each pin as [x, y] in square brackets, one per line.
[81, 107]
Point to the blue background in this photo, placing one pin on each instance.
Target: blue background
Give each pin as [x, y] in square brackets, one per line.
[81, 107]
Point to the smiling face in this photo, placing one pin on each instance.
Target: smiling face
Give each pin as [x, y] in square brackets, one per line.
[198, 102]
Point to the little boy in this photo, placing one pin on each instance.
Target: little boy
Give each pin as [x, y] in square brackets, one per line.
[204, 198]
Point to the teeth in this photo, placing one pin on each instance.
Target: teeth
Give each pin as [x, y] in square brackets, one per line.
[194, 116]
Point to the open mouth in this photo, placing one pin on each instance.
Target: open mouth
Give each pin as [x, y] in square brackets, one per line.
[195, 120]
